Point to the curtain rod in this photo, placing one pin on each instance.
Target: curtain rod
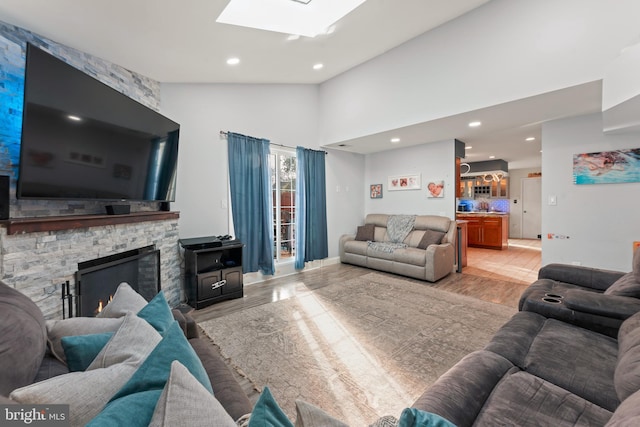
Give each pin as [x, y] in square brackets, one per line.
[225, 133]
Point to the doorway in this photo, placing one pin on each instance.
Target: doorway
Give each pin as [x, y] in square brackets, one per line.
[531, 197]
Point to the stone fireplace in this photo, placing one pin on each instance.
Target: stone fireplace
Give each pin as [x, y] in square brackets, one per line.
[39, 255]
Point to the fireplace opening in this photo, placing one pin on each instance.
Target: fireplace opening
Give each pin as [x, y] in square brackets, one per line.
[98, 279]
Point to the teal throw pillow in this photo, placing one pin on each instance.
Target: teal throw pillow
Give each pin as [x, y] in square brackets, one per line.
[267, 413]
[158, 313]
[80, 350]
[135, 403]
[412, 417]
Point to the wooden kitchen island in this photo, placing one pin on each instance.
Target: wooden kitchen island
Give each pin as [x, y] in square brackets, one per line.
[486, 229]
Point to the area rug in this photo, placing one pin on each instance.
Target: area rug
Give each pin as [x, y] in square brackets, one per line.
[360, 349]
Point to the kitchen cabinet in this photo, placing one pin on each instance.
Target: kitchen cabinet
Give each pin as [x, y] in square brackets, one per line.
[486, 230]
[477, 188]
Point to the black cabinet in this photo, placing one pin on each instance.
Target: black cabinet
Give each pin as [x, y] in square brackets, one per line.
[213, 274]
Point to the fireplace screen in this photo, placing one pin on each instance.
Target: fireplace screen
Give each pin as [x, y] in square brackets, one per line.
[97, 280]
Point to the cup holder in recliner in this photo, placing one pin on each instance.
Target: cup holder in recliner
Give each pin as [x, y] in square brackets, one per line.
[551, 300]
[554, 296]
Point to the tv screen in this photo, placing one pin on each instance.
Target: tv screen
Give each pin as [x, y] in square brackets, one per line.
[82, 139]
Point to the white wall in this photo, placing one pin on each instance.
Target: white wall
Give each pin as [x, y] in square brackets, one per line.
[601, 220]
[284, 114]
[503, 51]
[433, 161]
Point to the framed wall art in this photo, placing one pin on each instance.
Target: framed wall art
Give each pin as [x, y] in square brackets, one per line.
[607, 167]
[404, 182]
[375, 191]
[435, 189]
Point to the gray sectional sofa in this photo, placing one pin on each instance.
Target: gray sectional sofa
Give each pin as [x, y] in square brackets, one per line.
[571, 361]
[597, 299]
[426, 252]
[538, 371]
[27, 359]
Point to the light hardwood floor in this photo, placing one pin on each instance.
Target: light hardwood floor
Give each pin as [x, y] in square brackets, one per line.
[491, 275]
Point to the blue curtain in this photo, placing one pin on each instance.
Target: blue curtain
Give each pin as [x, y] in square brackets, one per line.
[251, 200]
[311, 206]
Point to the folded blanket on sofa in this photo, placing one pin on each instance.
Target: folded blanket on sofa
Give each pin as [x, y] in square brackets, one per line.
[399, 227]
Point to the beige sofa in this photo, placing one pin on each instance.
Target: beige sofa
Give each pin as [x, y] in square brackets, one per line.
[432, 263]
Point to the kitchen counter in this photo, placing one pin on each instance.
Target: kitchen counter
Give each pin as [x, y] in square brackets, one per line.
[486, 229]
[481, 213]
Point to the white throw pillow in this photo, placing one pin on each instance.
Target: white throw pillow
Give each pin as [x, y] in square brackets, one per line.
[124, 301]
[184, 401]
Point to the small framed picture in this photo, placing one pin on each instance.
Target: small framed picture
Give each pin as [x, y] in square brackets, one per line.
[435, 189]
[375, 191]
[404, 182]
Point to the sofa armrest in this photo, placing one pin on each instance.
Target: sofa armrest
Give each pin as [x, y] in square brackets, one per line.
[440, 259]
[588, 277]
[461, 392]
[343, 239]
[614, 306]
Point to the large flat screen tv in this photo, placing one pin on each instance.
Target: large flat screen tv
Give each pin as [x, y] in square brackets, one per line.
[81, 139]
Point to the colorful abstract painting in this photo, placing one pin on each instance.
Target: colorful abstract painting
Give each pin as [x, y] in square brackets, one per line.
[607, 167]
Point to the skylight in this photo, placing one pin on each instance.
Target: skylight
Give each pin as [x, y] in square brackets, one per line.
[287, 16]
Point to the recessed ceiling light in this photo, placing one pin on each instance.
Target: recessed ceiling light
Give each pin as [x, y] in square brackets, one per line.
[492, 157]
[318, 66]
[288, 17]
[395, 140]
[74, 118]
[468, 147]
[233, 61]
[474, 124]
[292, 37]
[531, 138]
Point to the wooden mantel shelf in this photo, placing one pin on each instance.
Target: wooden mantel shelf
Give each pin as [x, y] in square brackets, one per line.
[70, 222]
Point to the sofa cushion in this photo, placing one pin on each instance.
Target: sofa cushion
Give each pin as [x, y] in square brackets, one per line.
[626, 286]
[430, 237]
[365, 232]
[158, 313]
[134, 403]
[80, 350]
[356, 247]
[521, 399]
[56, 329]
[87, 392]
[267, 412]
[308, 415]
[23, 339]
[559, 348]
[413, 256]
[184, 401]
[627, 373]
[124, 301]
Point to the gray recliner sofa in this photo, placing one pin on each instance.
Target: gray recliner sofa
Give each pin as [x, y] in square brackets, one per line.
[592, 298]
[538, 371]
[427, 252]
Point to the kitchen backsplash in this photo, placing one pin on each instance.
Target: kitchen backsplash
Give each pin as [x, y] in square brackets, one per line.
[495, 205]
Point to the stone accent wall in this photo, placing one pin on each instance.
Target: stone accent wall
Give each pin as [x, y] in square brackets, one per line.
[37, 264]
